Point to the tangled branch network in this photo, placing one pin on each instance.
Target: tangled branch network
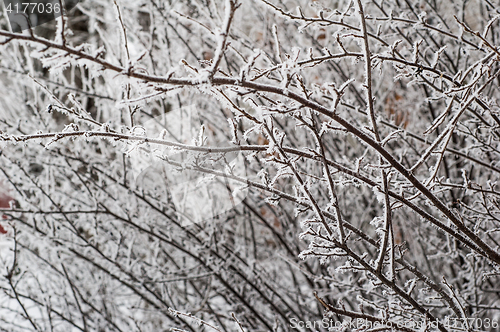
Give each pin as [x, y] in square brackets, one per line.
[261, 165]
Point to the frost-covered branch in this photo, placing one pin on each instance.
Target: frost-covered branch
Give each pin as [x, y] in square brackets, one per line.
[168, 164]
